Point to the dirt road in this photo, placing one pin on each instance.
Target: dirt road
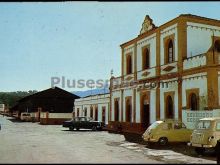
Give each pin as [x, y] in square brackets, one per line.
[23, 142]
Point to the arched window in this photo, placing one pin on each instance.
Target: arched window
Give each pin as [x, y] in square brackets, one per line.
[128, 110]
[145, 110]
[169, 108]
[217, 46]
[91, 111]
[116, 110]
[146, 59]
[103, 114]
[170, 52]
[78, 112]
[193, 102]
[96, 113]
[85, 112]
[129, 64]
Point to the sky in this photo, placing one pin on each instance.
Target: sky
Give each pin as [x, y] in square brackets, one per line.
[45, 41]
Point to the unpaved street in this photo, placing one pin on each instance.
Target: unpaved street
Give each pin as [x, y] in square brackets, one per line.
[33, 143]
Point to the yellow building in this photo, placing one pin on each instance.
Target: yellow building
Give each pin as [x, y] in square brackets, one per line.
[170, 71]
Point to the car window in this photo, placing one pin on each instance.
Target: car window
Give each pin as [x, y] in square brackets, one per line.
[203, 125]
[89, 119]
[179, 126]
[83, 119]
[218, 126]
[155, 124]
[167, 126]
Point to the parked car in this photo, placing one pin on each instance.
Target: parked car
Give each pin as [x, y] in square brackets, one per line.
[83, 122]
[165, 131]
[25, 116]
[205, 135]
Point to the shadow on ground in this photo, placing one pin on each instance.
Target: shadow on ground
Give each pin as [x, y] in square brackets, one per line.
[82, 130]
[184, 149]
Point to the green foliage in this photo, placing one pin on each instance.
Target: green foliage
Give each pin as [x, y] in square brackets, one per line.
[10, 98]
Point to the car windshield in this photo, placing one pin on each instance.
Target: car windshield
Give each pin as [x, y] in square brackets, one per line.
[155, 124]
[89, 119]
[203, 125]
[76, 119]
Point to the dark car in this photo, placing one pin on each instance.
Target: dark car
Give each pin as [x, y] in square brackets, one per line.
[83, 122]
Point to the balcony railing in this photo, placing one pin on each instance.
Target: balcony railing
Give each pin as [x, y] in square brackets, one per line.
[195, 61]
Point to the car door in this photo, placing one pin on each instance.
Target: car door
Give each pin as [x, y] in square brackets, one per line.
[77, 122]
[182, 134]
[217, 130]
[82, 122]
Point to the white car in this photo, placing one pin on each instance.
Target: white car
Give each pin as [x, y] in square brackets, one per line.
[25, 116]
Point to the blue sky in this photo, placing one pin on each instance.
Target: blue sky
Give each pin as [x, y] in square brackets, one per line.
[77, 40]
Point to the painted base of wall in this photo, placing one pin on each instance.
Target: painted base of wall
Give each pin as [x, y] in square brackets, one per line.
[121, 127]
[132, 131]
[52, 121]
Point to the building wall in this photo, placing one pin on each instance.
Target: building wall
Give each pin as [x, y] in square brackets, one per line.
[219, 86]
[195, 81]
[98, 101]
[129, 50]
[100, 106]
[127, 93]
[199, 37]
[171, 30]
[2, 107]
[148, 41]
[172, 87]
[54, 118]
[153, 98]
[116, 94]
[138, 98]
[187, 72]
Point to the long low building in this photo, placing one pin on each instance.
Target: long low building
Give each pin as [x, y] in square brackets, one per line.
[95, 106]
[50, 106]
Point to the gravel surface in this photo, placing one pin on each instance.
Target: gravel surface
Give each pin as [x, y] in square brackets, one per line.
[26, 142]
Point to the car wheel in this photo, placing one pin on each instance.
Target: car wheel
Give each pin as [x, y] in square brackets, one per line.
[94, 128]
[163, 141]
[200, 151]
[71, 128]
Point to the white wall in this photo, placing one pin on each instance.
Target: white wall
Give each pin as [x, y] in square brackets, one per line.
[96, 100]
[199, 40]
[196, 61]
[200, 83]
[164, 33]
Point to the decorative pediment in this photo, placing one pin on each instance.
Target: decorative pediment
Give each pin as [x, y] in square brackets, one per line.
[145, 74]
[168, 68]
[147, 24]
